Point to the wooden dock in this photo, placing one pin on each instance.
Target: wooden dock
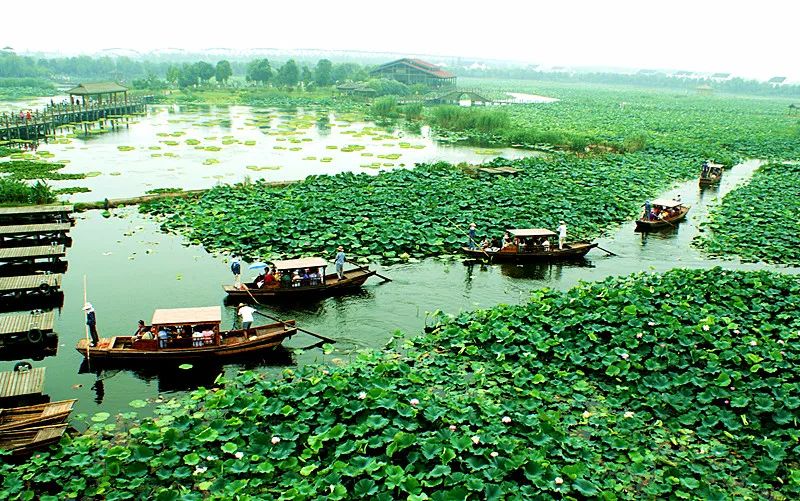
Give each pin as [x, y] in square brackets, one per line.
[23, 323]
[18, 384]
[29, 254]
[45, 284]
[36, 214]
[34, 234]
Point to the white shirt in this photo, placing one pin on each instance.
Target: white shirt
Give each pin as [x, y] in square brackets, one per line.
[562, 231]
[246, 313]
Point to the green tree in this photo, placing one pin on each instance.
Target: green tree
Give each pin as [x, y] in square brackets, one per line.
[323, 73]
[384, 107]
[259, 71]
[223, 71]
[173, 73]
[188, 76]
[204, 71]
[306, 75]
[288, 74]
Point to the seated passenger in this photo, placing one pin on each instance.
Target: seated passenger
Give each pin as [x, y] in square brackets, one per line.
[296, 278]
[197, 338]
[305, 277]
[506, 240]
[286, 279]
[313, 278]
[485, 243]
[546, 244]
[269, 281]
[140, 330]
[163, 338]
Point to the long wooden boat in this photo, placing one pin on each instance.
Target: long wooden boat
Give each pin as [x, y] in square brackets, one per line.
[26, 440]
[711, 174]
[193, 335]
[35, 415]
[322, 285]
[529, 247]
[677, 209]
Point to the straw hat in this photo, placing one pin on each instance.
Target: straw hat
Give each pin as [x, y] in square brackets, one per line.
[88, 307]
[340, 248]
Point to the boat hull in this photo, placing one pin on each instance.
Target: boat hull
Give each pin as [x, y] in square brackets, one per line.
[709, 181]
[35, 415]
[571, 251]
[644, 225]
[332, 286]
[235, 344]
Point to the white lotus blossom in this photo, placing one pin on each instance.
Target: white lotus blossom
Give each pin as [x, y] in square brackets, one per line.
[586, 414]
[199, 470]
[706, 328]
[506, 419]
[275, 440]
[651, 323]
[625, 356]
[494, 454]
[628, 414]
[362, 395]
[452, 427]
[239, 455]
[559, 480]
[753, 343]
[476, 439]
[413, 401]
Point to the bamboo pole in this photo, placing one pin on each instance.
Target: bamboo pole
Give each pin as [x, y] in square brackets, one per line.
[85, 300]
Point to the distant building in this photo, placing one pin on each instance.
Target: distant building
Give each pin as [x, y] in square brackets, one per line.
[777, 81]
[415, 71]
[720, 77]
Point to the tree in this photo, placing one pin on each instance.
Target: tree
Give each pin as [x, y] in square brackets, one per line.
[223, 71]
[187, 76]
[259, 71]
[384, 107]
[204, 71]
[288, 74]
[348, 71]
[323, 73]
[173, 73]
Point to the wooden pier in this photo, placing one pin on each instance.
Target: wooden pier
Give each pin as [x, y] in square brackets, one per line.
[36, 214]
[25, 235]
[31, 327]
[30, 285]
[46, 122]
[15, 384]
[25, 260]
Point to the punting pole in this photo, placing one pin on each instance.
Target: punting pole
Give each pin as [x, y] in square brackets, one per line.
[326, 339]
[85, 300]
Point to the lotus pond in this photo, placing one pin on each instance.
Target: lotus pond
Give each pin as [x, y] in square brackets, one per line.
[195, 147]
[681, 384]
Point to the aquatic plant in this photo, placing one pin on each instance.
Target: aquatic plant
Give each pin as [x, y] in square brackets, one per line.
[17, 192]
[650, 386]
[29, 169]
[759, 220]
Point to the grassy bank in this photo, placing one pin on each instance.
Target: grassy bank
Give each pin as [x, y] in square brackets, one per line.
[650, 386]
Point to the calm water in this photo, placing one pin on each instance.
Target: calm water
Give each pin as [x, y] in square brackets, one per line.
[131, 269]
[196, 147]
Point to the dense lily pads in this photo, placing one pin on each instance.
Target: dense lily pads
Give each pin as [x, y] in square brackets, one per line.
[681, 385]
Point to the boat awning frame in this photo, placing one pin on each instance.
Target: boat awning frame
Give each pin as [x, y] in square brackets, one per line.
[178, 316]
[665, 202]
[303, 262]
[531, 232]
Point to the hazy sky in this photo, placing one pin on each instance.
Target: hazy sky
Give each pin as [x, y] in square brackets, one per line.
[758, 39]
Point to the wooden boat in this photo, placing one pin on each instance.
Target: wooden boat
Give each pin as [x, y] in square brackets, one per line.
[326, 285]
[26, 440]
[531, 248]
[676, 210]
[193, 335]
[35, 415]
[711, 174]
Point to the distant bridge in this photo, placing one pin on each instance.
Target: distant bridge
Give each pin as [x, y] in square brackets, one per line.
[449, 96]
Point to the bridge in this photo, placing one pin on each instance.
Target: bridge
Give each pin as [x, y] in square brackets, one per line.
[449, 96]
[41, 123]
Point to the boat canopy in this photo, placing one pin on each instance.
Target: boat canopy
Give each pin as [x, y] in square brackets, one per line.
[665, 202]
[304, 262]
[712, 164]
[177, 316]
[531, 232]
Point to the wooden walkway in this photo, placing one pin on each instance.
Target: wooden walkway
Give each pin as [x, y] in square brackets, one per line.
[28, 282]
[22, 323]
[17, 384]
[34, 229]
[45, 122]
[15, 254]
[23, 235]
[36, 214]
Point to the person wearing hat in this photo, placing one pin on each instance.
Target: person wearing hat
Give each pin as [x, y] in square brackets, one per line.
[472, 236]
[339, 262]
[91, 321]
[562, 234]
[246, 312]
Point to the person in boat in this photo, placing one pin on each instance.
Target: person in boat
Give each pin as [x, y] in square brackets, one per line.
[472, 237]
[546, 244]
[163, 337]
[246, 312]
[647, 210]
[341, 257]
[562, 234]
[236, 269]
[140, 330]
[485, 243]
[305, 278]
[197, 338]
[286, 279]
[296, 279]
[506, 240]
[313, 277]
[91, 321]
[269, 281]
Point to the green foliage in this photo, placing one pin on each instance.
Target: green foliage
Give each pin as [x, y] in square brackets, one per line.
[323, 73]
[412, 111]
[758, 221]
[388, 87]
[609, 390]
[288, 74]
[407, 211]
[460, 119]
[204, 71]
[29, 169]
[14, 191]
[384, 107]
[223, 71]
[259, 71]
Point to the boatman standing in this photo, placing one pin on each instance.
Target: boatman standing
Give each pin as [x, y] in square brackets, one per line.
[91, 321]
[562, 234]
[246, 312]
[339, 262]
[472, 236]
[236, 269]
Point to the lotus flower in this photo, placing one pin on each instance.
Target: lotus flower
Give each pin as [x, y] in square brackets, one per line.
[586, 414]
[651, 324]
[639, 335]
[275, 440]
[452, 427]
[413, 401]
[494, 454]
[559, 480]
[476, 439]
[753, 343]
[506, 419]
[239, 455]
[362, 395]
[706, 328]
[628, 414]
[199, 470]
[625, 356]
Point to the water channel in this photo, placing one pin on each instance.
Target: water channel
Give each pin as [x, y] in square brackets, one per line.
[131, 268]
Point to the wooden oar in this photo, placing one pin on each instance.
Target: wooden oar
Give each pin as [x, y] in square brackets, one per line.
[608, 251]
[318, 336]
[361, 268]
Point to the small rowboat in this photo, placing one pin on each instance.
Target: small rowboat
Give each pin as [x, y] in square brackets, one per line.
[321, 285]
[35, 415]
[530, 248]
[26, 440]
[190, 334]
[711, 174]
[676, 210]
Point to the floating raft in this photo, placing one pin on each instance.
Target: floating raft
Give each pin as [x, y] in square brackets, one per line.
[37, 213]
[30, 284]
[32, 234]
[18, 384]
[14, 254]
